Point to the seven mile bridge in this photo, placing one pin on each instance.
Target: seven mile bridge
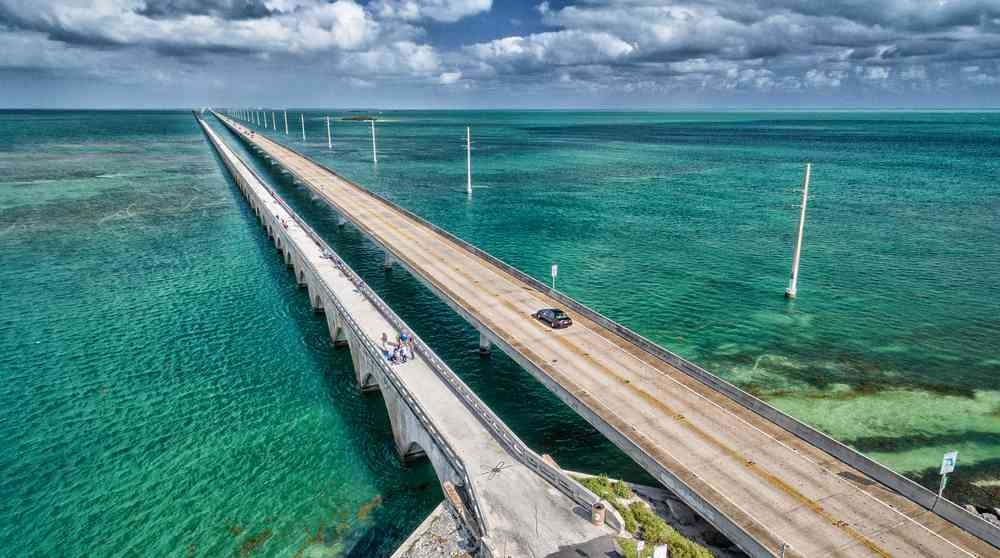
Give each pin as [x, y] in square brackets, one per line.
[773, 485]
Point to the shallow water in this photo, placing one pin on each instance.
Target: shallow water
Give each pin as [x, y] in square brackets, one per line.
[166, 389]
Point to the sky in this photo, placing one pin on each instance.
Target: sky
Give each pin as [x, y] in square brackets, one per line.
[608, 54]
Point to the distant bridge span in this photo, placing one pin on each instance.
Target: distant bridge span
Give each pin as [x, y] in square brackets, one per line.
[771, 484]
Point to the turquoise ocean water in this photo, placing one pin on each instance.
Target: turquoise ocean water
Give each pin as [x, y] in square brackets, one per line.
[165, 389]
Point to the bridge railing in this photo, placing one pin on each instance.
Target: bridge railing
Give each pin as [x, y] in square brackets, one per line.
[906, 487]
[374, 352]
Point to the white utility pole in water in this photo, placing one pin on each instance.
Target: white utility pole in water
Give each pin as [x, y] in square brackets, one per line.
[468, 160]
[374, 151]
[329, 138]
[286, 122]
[302, 119]
[274, 122]
[793, 283]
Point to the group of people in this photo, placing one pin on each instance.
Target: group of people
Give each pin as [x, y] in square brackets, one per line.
[400, 351]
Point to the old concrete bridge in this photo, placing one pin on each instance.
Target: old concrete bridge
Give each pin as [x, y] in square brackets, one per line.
[771, 484]
[512, 501]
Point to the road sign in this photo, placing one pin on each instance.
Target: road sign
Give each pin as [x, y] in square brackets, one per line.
[948, 462]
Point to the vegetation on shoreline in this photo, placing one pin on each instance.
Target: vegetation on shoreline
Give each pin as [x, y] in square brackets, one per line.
[642, 522]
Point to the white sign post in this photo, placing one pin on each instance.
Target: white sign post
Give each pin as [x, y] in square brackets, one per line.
[948, 463]
[555, 272]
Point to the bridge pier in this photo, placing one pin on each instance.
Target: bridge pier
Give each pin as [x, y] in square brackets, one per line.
[336, 327]
[316, 300]
[484, 344]
[300, 274]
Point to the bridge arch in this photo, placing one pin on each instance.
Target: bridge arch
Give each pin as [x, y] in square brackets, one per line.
[412, 440]
[369, 383]
[317, 301]
[413, 452]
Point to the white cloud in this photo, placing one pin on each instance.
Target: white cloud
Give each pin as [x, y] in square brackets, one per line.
[822, 79]
[874, 73]
[640, 47]
[913, 73]
[974, 75]
[399, 58]
[448, 11]
[448, 78]
[296, 26]
[360, 83]
[558, 48]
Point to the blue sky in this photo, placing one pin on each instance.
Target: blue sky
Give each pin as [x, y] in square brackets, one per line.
[484, 54]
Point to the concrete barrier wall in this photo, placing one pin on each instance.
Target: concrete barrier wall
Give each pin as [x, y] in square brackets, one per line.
[891, 479]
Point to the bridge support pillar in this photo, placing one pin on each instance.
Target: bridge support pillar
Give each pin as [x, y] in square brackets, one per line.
[339, 339]
[318, 304]
[484, 344]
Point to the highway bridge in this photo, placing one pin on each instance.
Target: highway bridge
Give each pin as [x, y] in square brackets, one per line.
[512, 501]
[771, 484]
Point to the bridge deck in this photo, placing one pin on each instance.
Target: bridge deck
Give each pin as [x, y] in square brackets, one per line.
[775, 487]
[526, 515]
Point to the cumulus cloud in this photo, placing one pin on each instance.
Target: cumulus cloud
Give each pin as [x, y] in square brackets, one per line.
[556, 48]
[440, 10]
[763, 45]
[731, 48]
[874, 73]
[822, 79]
[448, 78]
[913, 73]
[403, 58]
[289, 26]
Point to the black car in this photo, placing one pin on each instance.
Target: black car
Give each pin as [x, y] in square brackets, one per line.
[556, 318]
